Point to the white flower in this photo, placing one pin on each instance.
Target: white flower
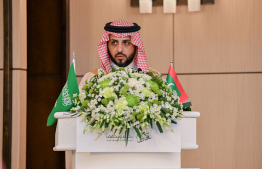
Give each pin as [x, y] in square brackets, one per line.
[146, 77]
[132, 92]
[141, 81]
[75, 108]
[152, 109]
[132, 82]
[82, 96]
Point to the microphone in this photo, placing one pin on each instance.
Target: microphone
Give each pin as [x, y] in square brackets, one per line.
[139, 70]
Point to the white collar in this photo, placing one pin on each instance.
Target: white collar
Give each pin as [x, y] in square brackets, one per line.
[131, 65]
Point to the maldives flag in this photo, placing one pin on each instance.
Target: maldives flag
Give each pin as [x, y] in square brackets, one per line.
[174, 84]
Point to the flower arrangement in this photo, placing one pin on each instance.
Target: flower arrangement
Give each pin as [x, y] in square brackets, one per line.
[125, 99]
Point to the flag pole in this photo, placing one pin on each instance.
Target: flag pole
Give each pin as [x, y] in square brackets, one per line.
[171, 63]
[74, 61]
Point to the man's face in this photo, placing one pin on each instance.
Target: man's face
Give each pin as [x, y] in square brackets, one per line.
[121, 50]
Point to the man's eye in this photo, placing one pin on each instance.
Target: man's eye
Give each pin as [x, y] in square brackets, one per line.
[127, 43]
[114, 42]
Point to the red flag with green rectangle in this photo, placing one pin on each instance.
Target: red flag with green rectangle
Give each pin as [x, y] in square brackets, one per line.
[174, 84]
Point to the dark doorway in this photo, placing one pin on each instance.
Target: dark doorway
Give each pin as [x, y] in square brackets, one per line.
[47, 67]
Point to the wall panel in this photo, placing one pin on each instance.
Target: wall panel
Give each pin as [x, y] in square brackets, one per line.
[224, 37]
[46, 72]
[228, 129]
[40, 138]
[1, 114]
[1, 77]
[19, 120]
[19, 84]
[19, 34]
[1, 35]
[87, 21]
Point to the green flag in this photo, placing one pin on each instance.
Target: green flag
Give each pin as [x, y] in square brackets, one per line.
[64, 103]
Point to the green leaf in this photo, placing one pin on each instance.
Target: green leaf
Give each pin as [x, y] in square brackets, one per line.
[137, 131]
[159, 127]
[112, 68]
[93, 123]
[149, 120]
[187, 104]
[127, 135]
[121, 130]
[112, 128]
[102, 123]
[174, 122]
[186, 109]
[106, 125]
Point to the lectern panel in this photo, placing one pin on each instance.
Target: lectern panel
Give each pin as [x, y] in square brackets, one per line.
[127, 160]
[109, 142]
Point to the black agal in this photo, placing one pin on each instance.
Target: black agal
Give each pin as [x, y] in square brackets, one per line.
[122, 29]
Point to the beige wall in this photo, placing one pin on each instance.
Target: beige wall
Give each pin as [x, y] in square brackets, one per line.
[218, 55]
[229, 128]
[225, 37]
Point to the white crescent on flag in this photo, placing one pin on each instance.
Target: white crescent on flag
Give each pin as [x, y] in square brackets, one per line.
[170, 84]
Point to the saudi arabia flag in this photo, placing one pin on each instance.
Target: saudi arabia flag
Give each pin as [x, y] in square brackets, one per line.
[174, 84]
[64, 103]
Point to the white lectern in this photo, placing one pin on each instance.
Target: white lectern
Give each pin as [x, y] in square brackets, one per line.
[154, 151]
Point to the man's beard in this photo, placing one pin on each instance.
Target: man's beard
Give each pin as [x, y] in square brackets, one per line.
[129, 59]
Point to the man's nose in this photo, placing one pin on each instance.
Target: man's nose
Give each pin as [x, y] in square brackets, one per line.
[120, 48]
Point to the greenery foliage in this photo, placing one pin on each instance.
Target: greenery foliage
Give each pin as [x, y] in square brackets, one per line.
[125, 99]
